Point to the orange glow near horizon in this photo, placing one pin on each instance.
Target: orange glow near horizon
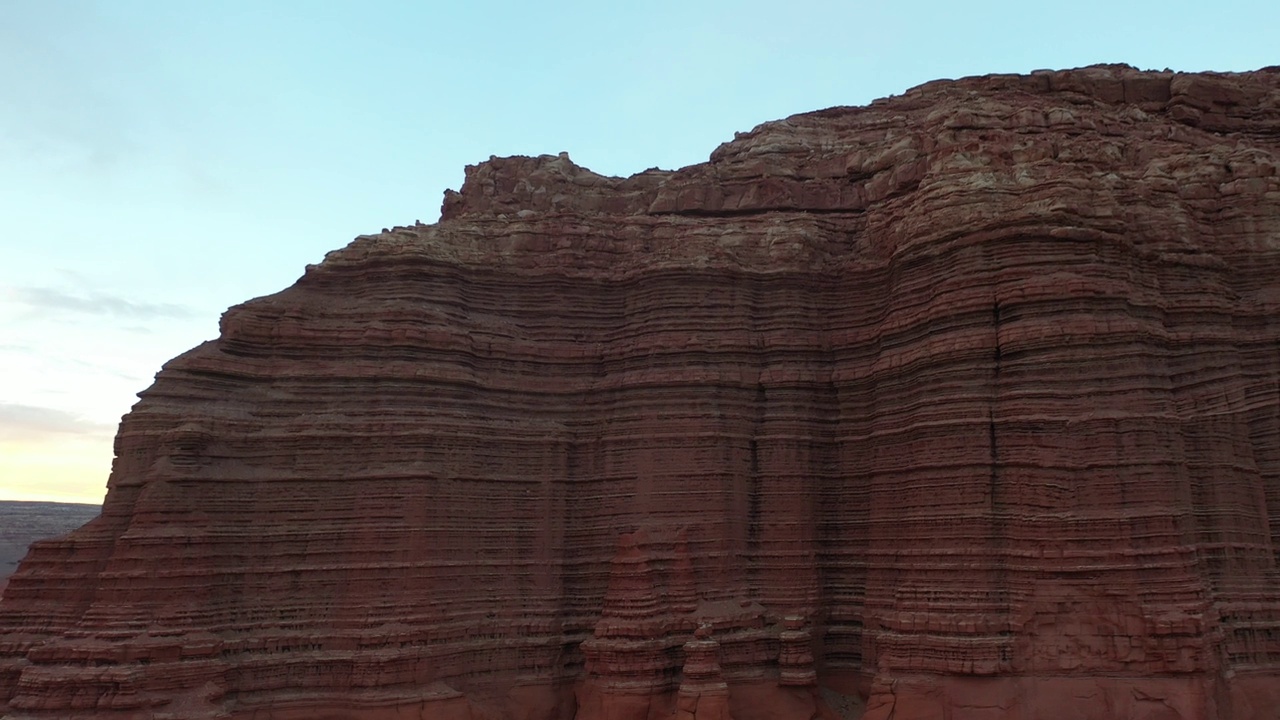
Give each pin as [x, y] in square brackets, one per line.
[69, 469]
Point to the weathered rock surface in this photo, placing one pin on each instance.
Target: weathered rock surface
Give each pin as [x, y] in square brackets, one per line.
[22, 523]
[978, 387]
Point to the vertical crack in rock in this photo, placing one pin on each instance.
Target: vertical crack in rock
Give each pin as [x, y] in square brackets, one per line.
[754, 492]
[997, 510]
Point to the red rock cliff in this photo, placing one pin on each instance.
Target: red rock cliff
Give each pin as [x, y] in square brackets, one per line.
[977, 387]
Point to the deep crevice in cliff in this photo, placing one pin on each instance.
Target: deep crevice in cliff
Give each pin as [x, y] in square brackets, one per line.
[755, 497]
[997, 509]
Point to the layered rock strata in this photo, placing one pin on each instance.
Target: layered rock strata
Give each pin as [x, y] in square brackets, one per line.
[703, 691]
[22, 523]
[981, 382]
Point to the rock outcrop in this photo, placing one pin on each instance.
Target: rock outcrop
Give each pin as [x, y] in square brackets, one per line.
[979, 385]
[22, 523]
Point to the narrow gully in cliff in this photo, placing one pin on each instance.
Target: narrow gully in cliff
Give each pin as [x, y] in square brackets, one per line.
[998, 509]
[754, 495]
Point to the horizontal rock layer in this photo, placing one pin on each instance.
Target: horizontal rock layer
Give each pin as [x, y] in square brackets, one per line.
[22, 523]
[978, 387]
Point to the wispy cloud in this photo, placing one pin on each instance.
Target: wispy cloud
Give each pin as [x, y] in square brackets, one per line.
[31, 422]
[47, 298]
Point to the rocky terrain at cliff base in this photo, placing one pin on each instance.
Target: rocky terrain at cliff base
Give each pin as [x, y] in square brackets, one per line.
[22, 523]
[961, 405]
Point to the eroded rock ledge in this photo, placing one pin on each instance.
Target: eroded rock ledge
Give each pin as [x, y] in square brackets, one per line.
[964, 402]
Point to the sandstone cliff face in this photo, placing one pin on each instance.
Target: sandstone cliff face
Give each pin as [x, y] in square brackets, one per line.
[966, 402]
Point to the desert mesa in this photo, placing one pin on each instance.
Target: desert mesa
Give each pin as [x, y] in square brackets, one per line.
[964, 404]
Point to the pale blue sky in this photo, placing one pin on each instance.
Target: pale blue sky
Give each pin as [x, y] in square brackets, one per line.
[163, 160]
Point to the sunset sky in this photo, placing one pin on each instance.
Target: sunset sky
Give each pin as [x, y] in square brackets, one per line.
[161, 161]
